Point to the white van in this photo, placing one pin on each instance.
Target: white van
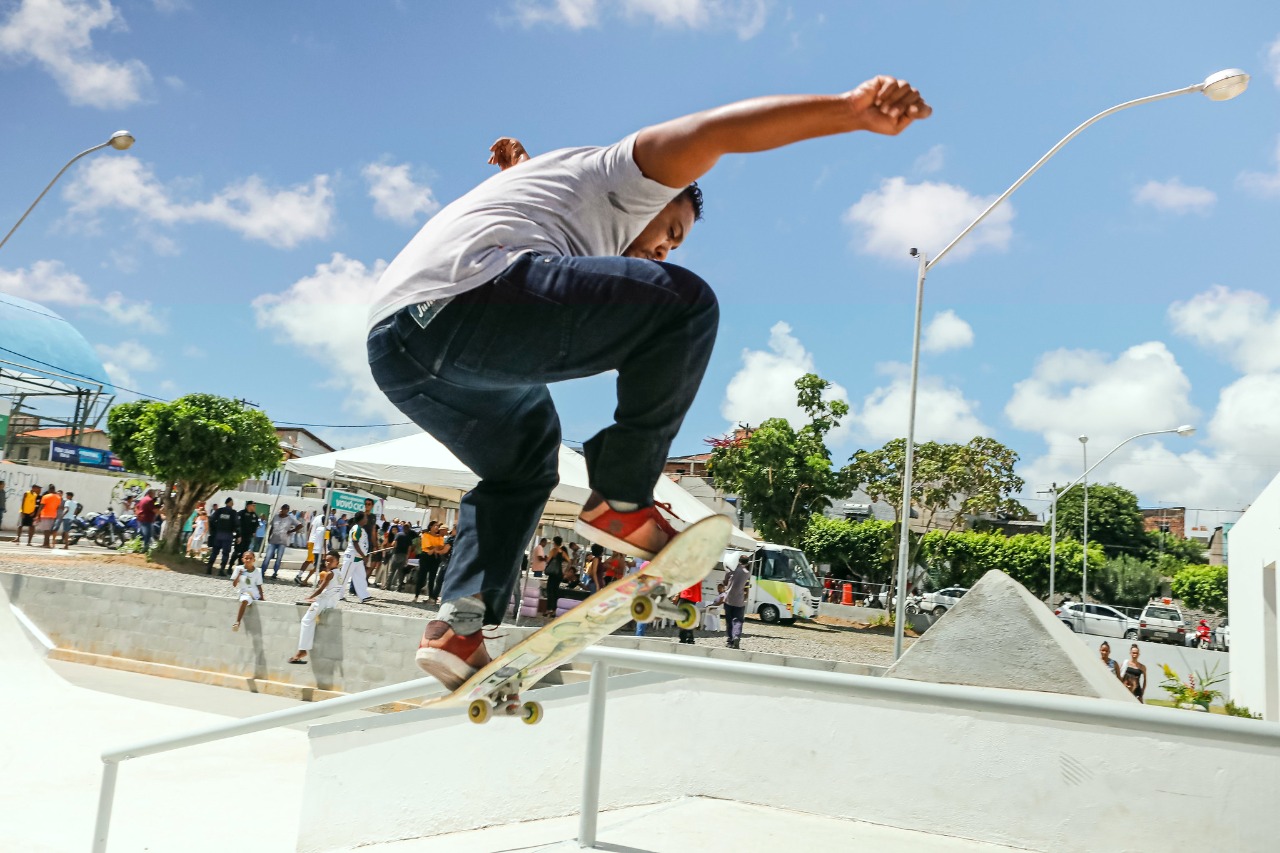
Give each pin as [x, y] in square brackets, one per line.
[783, 585]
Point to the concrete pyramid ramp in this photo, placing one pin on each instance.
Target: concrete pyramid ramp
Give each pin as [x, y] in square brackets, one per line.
[1000, 635]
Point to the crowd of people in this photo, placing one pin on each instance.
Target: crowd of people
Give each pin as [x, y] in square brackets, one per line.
[48, 512]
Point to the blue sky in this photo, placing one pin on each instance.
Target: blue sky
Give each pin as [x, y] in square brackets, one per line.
[286, 150]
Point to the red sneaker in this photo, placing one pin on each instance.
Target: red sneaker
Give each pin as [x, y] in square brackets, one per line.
[642, 533]
[450, 657]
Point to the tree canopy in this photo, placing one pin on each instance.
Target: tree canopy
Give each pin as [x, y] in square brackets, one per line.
[1202, 587]
[197, 444]
[861, 549]
[783, 475]
[1115, 522]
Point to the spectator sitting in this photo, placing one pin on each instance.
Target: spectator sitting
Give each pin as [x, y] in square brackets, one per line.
[571, 586]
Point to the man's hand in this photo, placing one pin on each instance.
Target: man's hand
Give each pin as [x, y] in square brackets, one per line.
[886, 105]
[507, 152]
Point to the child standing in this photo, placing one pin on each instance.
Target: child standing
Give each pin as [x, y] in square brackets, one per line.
[251, 577]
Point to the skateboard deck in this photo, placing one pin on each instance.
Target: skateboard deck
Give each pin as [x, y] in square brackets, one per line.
[686, 560]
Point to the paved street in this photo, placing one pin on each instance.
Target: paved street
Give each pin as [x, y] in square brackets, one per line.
[1183, 659]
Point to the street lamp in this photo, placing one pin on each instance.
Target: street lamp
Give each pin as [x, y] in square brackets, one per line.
[1221, 86]
[1084, 553]
[120, 141]
[1186, 431]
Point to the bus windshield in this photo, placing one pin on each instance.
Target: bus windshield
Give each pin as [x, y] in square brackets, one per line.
[790, 565]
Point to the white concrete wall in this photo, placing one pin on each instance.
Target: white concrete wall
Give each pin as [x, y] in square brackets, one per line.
[1016, 781]
[1254, 544]
[92, 490]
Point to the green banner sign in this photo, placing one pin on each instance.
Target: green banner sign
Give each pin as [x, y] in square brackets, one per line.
[349, 503]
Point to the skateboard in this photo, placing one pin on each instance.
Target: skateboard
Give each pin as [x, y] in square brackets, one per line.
[687, 559]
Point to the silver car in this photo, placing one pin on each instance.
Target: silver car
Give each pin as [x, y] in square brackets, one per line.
[1097, 619]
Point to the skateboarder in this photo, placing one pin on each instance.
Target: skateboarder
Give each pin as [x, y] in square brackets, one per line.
[570, 240]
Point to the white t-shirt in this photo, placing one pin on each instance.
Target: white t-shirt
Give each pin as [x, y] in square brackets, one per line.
[318, 529]
[357, 535]
[575, 202]
[249, 582]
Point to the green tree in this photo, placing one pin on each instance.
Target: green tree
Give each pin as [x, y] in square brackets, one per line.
[1115, 522]
[1124, 580]
[862, 549]
[1027, 560]
[197, 444]
[1182, 550]
[961, 558]
[783, 476]
[1202, 587]
[961, 479]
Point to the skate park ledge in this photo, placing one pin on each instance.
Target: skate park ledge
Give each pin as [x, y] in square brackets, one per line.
[187, 636]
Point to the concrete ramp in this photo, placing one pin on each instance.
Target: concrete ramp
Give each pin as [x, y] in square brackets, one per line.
[1000, 635]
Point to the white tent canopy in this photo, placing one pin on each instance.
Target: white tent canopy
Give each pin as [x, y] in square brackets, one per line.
[421, 464]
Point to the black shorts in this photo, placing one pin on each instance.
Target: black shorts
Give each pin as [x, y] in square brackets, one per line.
[28, 520]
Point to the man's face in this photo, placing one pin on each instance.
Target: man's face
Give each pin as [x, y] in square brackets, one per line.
[667, 231]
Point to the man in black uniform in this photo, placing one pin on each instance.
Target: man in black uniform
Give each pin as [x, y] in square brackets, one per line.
[246, 528]
[222, 536]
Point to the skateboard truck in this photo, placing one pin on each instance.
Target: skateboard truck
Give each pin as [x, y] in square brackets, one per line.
[507, 704]
[646, 608]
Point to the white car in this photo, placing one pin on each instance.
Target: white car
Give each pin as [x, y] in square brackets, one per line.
[943, 600]
[1100, 619]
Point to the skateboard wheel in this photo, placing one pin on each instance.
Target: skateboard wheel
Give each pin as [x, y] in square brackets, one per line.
[531, 713]
[479, 711]
[687, 616]
[642, 609]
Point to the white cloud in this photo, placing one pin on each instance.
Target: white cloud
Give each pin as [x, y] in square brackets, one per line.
[930, 161]
[898, 216]
[396, 196]
[1078, 392]
[279, 217]
[1173, 196]
[1262, 183]
[129, 312]
[129, 355]
[45, 282]
[765, 386]
[1239, 325]
[57, 35]
[946, 331]
[943, 413]
[324, 315]
[1273, 61]
[745, 17]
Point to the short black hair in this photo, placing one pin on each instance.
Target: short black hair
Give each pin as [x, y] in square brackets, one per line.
[693, 193]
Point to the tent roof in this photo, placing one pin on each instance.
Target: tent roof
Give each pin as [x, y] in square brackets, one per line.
[419, 463]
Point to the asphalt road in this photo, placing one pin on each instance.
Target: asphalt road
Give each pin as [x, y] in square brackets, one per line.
[1183, 659]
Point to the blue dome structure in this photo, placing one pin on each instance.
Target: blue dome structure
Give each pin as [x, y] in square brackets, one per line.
[36, 341]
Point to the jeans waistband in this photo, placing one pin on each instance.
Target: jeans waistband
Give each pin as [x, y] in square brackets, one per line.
[414, 317]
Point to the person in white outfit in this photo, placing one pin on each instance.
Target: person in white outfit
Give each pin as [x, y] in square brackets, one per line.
[247, 578]
[315, 548]
[199, 532]
[328, 593]
[353, 569]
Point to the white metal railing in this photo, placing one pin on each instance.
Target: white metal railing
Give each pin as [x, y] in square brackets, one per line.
[111, 758]
[1046, 706]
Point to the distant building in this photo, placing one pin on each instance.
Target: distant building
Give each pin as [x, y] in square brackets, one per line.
[32, 446]
[1166, 519]
[296, 443]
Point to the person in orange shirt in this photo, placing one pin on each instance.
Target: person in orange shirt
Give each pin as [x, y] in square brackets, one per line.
[50, 501]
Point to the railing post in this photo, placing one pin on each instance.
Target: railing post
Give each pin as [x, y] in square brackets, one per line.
[595, 746]
[106, 798]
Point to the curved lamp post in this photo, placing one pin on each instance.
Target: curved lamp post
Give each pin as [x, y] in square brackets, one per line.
[1222, 86]
[120, 140]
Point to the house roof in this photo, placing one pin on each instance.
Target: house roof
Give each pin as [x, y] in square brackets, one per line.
[56, 432]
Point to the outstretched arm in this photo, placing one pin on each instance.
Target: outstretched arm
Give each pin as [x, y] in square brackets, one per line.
[680, 151]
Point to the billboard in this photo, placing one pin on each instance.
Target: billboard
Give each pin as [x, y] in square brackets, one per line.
[349, 503]
[89, 457]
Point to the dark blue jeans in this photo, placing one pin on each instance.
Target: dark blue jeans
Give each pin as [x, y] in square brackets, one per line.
[476, 379]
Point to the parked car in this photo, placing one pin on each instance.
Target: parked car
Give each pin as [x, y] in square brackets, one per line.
[1162, 622]
[943, 600]
[1100, 619]
[1222, 636]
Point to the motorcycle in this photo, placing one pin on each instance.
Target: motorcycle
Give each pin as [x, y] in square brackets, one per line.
[81, 526]
[1204, 637]
[112, 531]
[913, 604]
